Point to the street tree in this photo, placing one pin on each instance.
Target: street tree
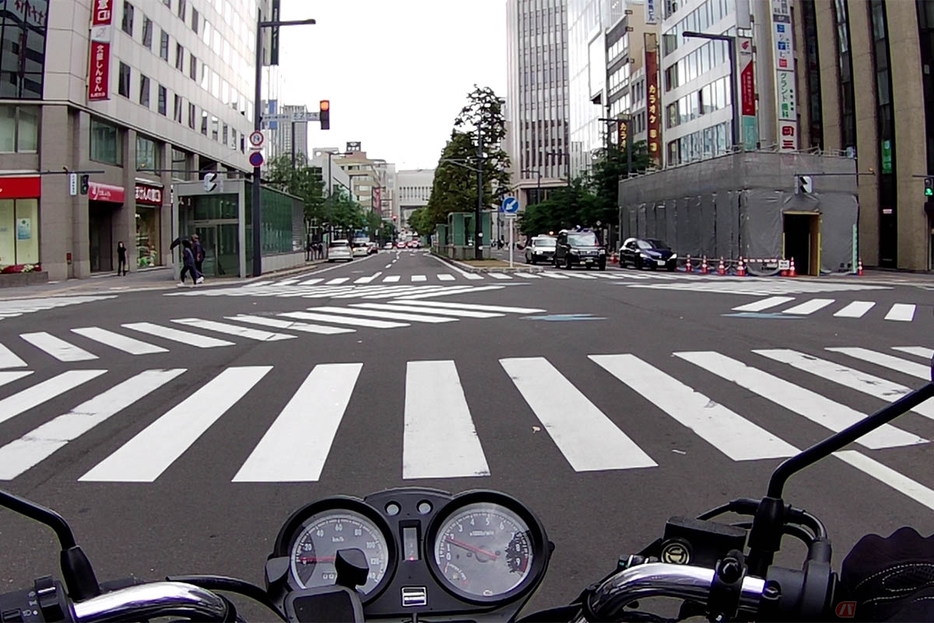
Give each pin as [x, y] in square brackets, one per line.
[301, 180]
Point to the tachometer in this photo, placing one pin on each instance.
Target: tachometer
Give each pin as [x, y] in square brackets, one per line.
[484, 551]
[315, 547]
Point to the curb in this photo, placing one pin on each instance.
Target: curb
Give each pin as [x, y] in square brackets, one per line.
[467, 268]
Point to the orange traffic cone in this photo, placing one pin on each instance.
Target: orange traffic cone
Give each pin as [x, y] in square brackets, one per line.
[859, 267]
[741, 268]
[703, 267]
[687, 267]
[791, 269]
[721, 269]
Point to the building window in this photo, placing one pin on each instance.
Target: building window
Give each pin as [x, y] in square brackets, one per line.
[179, 164]
[147, 32]
[193, 66]
[885, 127]
[182, 7]
[163, 96]
[847, 96]
[19, 232]
[178, 108]
[179, 57]
[812, 60]
[127, 24]
[204, 123]
[19, 128]
[144, 91]
[164, 46]
[195, 19]
[147, 154]
[106, 143]
[123, 86]
[22, 50]
[191, 115]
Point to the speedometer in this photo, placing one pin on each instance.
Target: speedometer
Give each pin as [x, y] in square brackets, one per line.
[322, 535]
[484, 551]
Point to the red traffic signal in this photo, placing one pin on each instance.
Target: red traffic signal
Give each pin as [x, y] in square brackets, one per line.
[324, 114]
[395, 218]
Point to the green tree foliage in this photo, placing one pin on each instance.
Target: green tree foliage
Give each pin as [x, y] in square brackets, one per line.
[303, 181]
[455, 183]
[341, 211]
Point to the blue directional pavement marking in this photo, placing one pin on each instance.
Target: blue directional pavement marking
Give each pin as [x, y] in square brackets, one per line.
[564, 317]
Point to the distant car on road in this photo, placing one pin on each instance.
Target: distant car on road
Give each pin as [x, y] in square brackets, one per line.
[540, 249]
[579, 248]
[339, 250]
[647, 252]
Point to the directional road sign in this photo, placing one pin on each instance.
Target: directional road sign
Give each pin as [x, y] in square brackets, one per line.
[510, 205]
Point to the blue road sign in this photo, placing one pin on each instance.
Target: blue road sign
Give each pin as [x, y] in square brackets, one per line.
[256, 159]
[510, 205]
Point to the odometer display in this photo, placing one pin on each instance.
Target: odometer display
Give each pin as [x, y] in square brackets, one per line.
[322, 535]
[484, 550]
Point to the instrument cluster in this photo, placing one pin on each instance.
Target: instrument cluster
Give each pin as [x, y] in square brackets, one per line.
[427, 551]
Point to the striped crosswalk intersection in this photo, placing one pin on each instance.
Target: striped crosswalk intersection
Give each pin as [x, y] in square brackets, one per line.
[302, 439]
[789, 306]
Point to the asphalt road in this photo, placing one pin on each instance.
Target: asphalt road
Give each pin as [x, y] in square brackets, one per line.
[605, 401]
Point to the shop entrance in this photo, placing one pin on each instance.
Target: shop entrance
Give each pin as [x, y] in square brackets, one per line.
[221, 242]
[801, 241]
[100, 228]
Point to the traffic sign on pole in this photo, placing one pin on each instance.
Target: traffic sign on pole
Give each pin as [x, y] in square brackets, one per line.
[256, 159]
[257, 139]
[510, 205]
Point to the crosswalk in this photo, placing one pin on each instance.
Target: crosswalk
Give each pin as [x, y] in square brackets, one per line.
[443, 436]
[149, 338]
[789, 306]
[759, 286]
[17, 307]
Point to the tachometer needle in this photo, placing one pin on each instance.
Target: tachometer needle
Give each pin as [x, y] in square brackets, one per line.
[472, 548]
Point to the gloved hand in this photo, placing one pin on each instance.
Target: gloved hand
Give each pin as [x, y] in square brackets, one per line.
[891, 579]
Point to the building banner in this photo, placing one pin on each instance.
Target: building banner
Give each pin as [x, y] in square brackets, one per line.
[785, 87]
[747, 94]
[653, 106]
[99, 46]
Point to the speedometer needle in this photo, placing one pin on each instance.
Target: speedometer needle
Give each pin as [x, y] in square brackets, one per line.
[310, 559]
[472, 548]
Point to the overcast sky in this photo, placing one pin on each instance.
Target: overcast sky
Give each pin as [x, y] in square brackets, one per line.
[397, 72]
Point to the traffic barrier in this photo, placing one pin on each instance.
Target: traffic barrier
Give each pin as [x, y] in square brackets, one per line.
[859, 267]
[791, 268]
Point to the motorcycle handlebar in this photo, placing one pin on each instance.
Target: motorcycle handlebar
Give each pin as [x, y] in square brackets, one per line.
[156, 599]
[658, 579]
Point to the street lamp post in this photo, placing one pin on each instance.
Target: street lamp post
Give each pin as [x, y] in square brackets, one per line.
[731, 44]
[255, 210]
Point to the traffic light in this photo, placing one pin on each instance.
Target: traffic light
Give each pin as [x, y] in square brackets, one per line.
[929, 187]
[803, 184]
[85, 184]
[325, 115]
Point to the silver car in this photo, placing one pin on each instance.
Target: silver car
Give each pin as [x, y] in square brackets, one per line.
[541, 249]
[339, 250]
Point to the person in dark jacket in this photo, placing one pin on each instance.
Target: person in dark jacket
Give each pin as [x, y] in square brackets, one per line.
[121, 258]
[188, 258]
[198, 252]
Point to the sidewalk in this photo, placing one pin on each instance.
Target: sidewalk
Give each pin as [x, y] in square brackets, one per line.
[161, 278]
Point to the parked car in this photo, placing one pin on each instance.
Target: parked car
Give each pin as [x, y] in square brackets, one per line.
[647, 252]
[540, 249]
[579, 248]
[339, 250]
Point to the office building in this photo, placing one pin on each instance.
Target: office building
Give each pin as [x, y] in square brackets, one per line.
[537, 96]
[413, 190]
[137, 93]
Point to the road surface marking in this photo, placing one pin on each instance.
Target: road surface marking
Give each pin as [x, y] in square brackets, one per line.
[756, 306]
[23, 401]
[901, 312]
[856, 309]
[886, 361]
[58, 348]
[589, 440]
[811, 405]
[176, 335]
[287, 324]
[296, 446]
[354, 322]
[728, 432]
[147, 455]
[230, 329]
[808, 307]
[384, 315]
[436, 410]
[120, 342]
[37, 445]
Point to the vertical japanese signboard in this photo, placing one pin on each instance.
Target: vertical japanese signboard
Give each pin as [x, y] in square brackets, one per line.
[747, 93]
[785, 91]
[99, 56]
[653, 104]
[651, 11]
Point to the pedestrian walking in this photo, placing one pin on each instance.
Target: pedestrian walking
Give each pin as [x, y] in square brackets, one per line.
[188, 258]
[198, 252]
[121, 258]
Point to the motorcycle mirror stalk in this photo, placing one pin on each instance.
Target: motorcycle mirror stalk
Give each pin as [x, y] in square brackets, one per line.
[77, 571]
[768, 523]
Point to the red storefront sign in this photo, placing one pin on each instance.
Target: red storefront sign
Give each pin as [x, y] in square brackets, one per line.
[653, 107]
[20, 187]
[101, 35]
[106, 192]
[747, 77]
[148, 195]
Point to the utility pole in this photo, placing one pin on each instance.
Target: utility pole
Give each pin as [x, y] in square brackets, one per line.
[478, 226]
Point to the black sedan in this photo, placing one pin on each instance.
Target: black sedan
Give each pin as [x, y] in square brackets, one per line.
[647, 252]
